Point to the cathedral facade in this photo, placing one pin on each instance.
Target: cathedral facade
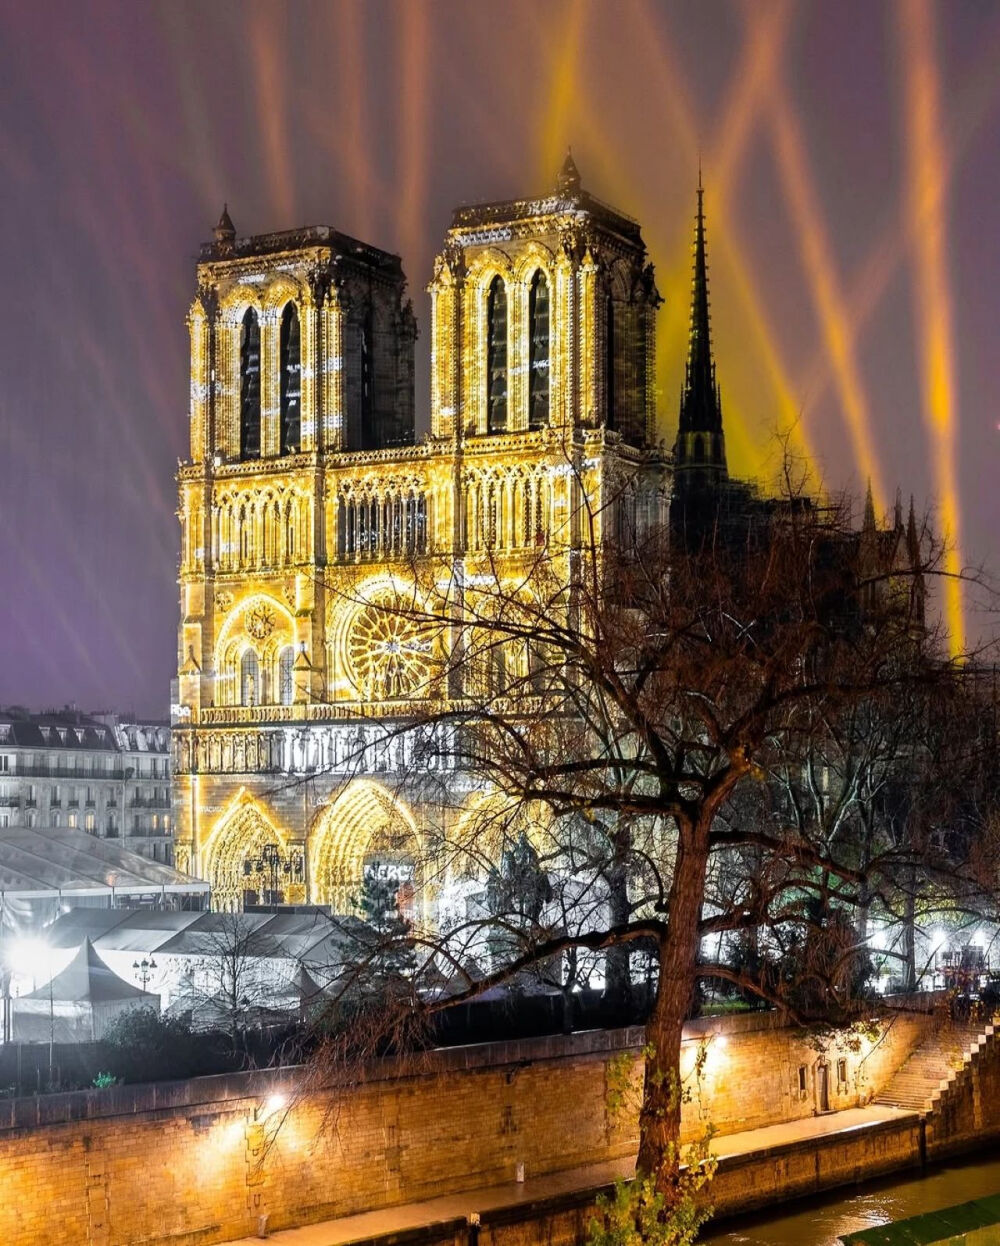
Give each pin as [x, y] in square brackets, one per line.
[307, 507]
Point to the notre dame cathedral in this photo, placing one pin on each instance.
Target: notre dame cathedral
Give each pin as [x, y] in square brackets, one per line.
[307, 502]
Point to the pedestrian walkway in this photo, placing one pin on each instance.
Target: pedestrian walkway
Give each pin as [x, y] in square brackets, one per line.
[372, 1224]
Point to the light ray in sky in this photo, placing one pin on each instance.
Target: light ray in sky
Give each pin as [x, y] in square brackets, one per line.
[830, 305]
[266, 47]
[925, 198]
[414, 86]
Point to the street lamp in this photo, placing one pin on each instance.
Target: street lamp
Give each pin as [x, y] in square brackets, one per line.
[144, 968]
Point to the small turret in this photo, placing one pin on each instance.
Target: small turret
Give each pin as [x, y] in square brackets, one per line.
[225, 231]
[568, 183]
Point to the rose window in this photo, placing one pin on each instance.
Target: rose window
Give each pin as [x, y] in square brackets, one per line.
[390, 654]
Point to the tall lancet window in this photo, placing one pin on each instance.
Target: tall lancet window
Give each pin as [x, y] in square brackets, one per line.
[370, 439]
[609, 363]
[538, 320]
[286, 676]
[291, 381]
[249, 679]
[250, 386]
[496, 357]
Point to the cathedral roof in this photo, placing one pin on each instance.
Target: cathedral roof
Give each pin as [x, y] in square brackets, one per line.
[567, 196]
[307, 237]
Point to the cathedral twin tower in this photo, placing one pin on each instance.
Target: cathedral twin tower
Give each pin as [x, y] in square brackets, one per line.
[307, 508]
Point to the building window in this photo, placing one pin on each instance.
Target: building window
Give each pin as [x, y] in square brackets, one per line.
[609, 362]
[4, 763]
[286, 676]
[802, 1079]
[89, 822]
[291, 380]
[369, 433]
[842, 1071]
[249, 679]
[250, 386]
[72, 821]
[538, 384]
[496, 356]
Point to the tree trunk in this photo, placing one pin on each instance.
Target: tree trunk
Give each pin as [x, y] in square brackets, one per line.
[909, 941]
[660, 1115]
[618, 979]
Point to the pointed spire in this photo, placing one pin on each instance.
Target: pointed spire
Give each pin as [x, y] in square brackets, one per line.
[897, 514]
[225, 231]
[912, 539]
[701, 399]
[568, 182]
[868, 523]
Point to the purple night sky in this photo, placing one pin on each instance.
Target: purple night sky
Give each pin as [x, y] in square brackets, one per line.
[852, 174]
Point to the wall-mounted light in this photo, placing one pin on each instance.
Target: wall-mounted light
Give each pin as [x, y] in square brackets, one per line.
[271, 1106]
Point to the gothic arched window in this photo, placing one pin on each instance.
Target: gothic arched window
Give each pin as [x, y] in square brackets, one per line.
[609, 362]
[249, 679]
[286, 675]
[291, 380]
[369, 433]
[250, 386]
[496, 357]
[538, 321]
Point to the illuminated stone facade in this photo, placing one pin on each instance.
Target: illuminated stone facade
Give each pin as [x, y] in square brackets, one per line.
[306, 506]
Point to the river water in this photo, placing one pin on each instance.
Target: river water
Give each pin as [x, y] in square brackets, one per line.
[820, 1220]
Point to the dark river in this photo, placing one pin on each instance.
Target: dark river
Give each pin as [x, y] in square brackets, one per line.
[821, 1220]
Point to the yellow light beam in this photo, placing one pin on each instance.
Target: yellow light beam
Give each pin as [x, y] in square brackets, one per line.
[347, 34]
[266, 46]
[925, 200]
[750, 82]
[556, 131]
[725, 237]
[414, 84]
[975, 103]
[737, 120]
[828, 299]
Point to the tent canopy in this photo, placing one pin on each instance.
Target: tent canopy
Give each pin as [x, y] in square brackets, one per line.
[87, 979]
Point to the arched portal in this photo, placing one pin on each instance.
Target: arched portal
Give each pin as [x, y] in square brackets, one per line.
[243, 836]
[366, 827]
[491, 824]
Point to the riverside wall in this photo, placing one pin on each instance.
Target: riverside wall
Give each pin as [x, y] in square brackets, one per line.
[202, 1161]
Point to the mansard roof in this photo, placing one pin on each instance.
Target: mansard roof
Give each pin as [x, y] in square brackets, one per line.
[72, 731]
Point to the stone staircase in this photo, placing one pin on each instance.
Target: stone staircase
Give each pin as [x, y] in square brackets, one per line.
[928, 1071]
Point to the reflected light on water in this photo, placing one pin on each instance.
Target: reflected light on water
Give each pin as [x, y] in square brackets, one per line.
[822, 1221]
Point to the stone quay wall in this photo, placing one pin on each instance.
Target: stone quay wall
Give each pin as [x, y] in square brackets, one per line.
[202, 1161]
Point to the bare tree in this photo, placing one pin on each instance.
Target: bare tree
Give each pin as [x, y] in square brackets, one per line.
[656, 714]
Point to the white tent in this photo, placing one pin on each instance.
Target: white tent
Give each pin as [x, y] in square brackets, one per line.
[78, 1004]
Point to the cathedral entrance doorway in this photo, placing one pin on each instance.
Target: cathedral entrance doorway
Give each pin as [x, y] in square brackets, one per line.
[366, 829]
